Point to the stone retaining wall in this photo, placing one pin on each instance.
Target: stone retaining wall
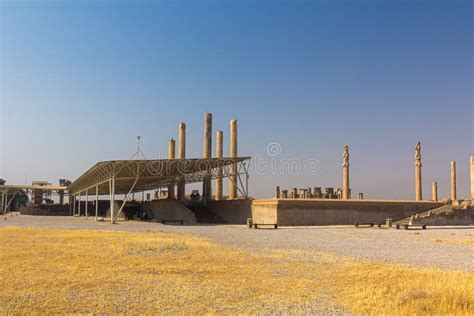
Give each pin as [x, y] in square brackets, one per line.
[46, 210]
[309, 212]
[231, 211]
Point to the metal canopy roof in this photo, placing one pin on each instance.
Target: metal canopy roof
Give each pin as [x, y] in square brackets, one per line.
[144, 175]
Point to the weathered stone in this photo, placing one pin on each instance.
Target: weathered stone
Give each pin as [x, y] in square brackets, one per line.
[418, 165]
[345, 174]
[453, 181]
[233, 154]
[182, 155]
[316, 192]
[329, 192]
[434, 191]
[335, 212]
[207, 153]
[219, 154]
[294, 193]
[471, 160]
[171, 155]
[303, 193]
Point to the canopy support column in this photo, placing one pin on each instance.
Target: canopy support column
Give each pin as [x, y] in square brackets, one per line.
[74, 205]
[4, 208]
[9, 202]
[3, 201]
[246, 182]
[87, 203]
[112, 199]
[129, 192]
[79, 205]
[96, 201]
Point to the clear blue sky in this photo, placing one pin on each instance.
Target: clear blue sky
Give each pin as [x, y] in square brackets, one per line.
[80, 79]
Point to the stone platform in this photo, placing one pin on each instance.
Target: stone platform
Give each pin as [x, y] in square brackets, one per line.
[318, 212]
[45, 210]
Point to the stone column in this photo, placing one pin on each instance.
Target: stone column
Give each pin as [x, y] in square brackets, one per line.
[317, 192]
[220, 170]
[346, 195]
[61, 197]
[277, 195]
[434, 191]
[453, 181]
[418, 189]
[171, 155]
[302, 194]
[182, 155]
[294, 193]
[207, 153]
[472, 177]
[233, 154]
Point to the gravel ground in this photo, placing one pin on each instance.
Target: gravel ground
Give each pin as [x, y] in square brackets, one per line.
[412, 247]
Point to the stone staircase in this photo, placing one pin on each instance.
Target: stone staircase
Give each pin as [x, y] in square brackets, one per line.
[445, 215]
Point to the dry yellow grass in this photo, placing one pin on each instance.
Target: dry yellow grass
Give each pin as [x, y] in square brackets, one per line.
[57, 271]
[378, 288]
